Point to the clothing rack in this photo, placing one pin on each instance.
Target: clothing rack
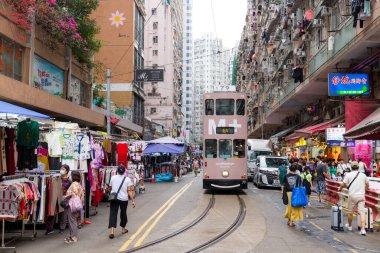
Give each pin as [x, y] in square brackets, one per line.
[21, 233]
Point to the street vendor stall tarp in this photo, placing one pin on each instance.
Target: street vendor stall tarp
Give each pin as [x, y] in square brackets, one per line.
[165, 140]
[8, 108]
[164, 148]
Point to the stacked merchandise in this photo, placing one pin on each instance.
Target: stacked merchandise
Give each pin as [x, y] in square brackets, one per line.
[135, 151]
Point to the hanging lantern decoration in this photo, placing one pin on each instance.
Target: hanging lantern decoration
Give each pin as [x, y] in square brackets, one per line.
[310, 109]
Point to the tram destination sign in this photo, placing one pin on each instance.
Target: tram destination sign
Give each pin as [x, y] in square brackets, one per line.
[149, 75]
[225, 130]
[352, 84]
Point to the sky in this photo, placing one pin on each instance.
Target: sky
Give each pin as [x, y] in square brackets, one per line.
[229, 19]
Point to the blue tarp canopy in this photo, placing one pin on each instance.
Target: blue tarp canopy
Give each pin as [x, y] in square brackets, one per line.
[14, 109]
[164, 148]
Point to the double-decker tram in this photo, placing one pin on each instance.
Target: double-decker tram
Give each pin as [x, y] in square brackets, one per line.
[225, 141]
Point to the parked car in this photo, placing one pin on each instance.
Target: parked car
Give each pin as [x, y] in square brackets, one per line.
[266, 173]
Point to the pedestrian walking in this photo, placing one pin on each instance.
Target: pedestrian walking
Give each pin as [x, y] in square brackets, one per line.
[307, 182]
[283, 171]
[66, 182]
[357, 184]
[292, 213]
[196, 166]
[75, 189]
[362, 167]
[122, 186]
[321, 178]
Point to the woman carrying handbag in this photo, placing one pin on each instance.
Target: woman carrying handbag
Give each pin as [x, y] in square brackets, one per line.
[292, 213]
[121, 187]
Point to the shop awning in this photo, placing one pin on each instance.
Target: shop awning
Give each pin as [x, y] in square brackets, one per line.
[283, 133]
[166, 140]
[307, 131]
[8, 108]
[367, 129]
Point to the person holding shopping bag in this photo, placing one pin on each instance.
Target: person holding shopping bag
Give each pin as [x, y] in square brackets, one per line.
[292, 213]
[121, 187]
[75, 197]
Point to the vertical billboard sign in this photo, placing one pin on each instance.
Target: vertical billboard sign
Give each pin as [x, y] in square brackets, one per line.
[47, 77]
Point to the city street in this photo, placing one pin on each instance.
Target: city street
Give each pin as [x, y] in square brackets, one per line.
[263, 230]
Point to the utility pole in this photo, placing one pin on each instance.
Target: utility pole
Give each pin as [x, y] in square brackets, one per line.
[108, 101]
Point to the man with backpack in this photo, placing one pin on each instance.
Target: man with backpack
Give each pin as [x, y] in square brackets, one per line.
[357, 183]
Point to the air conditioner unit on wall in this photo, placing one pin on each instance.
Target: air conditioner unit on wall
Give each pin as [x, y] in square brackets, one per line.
[289, 61]
[325, 11]
[317, 22]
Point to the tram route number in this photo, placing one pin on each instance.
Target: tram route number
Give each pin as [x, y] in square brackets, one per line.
[225, 130]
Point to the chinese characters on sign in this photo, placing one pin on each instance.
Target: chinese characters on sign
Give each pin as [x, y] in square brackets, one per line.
[334, 137]
[47, 77]
[348, 84]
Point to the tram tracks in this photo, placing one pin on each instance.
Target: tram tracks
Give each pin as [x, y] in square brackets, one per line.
[237, 222]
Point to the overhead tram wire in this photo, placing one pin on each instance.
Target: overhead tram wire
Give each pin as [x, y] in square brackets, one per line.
[213, 18]
[138, 37]
[167, 64]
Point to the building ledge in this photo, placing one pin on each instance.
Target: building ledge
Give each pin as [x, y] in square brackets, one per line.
[22, 94]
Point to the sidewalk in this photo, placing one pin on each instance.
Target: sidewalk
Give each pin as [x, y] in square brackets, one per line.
[319, 217]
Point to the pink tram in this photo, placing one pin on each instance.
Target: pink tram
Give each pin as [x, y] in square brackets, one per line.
[225, 141]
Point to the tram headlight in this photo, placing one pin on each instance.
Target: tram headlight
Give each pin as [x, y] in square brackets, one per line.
[225, 173]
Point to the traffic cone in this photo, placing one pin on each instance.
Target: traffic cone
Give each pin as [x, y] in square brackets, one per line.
[153, 178]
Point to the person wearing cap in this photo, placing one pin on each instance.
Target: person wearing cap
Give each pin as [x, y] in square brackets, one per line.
[126, 189]
[357, 184]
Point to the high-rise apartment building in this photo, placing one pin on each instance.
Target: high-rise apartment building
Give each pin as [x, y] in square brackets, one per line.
[211, 70]
[187, 76]
[163, 49]
[122, 35]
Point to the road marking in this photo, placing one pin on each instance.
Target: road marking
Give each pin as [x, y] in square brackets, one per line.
[147, 232]
[315, 225]
[141, 228]
[352, 250]
[336, 239]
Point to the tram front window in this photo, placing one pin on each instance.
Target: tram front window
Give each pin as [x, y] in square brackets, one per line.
[239, 148]
[211, 148]
[225, 149]
[225, 107]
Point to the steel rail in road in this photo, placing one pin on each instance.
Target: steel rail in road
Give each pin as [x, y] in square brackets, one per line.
[238, 221]
[179, 231]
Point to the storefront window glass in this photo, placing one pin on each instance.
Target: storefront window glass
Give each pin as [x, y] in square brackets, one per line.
[10, 59]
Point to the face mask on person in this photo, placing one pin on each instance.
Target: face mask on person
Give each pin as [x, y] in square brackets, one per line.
[63, 172]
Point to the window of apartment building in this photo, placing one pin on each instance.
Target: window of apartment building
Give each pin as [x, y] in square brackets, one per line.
[78, 91]
[155, 25]
[153, 110]
[155, 52]
[10, 59]
[155, 39]
[154, 11]
[139, 28]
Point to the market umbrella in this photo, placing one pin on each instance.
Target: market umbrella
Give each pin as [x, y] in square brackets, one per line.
[197, 151]
[164, 148]
[14, 109]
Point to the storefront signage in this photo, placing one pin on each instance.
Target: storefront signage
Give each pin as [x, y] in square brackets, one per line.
[47, 77]
[348, 84]
[334, 136]
[149, 75]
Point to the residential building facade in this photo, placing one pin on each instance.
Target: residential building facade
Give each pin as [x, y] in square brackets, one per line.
[121, 33]
[211, 70]
[187, 75]
[288, 49]
[163, 49]
[36, 77]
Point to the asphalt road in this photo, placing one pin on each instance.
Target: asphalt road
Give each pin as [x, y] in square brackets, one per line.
[166, 207]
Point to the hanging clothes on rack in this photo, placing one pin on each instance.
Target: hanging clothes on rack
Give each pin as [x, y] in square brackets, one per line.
[122, 154]
[11, 151]
[43, 156]
[27, 138]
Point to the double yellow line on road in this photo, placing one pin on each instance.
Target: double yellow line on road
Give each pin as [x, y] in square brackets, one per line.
[159, 213]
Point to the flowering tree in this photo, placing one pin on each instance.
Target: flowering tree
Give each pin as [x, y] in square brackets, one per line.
[65, 22]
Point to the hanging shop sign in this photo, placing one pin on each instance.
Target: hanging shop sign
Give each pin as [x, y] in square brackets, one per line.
[149, 75]
[334, 136]
[47, 77]
[348, 84]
